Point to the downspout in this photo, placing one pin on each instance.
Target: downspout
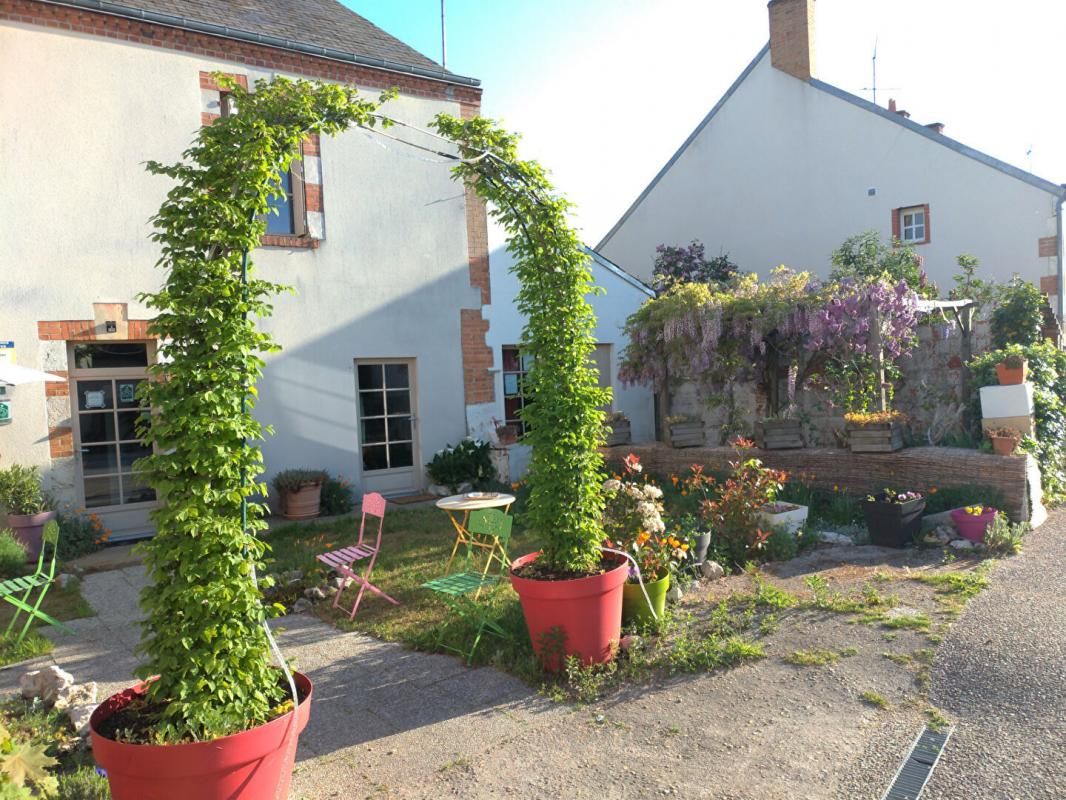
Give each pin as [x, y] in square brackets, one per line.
[1058, 256]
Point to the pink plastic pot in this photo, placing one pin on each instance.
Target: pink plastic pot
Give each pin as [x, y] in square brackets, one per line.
[581, 617]
[251, 765]
[972, 526]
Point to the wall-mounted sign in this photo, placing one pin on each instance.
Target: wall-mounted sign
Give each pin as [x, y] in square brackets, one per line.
[5, 412]
[95, 398]
[7, 352]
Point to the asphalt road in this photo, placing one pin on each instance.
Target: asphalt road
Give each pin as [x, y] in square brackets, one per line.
[1001, 676]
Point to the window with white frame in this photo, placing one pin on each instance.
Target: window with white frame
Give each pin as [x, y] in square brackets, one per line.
[515, 367]
[913, 224]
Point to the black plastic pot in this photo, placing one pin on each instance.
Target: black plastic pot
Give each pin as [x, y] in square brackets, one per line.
[894, 524]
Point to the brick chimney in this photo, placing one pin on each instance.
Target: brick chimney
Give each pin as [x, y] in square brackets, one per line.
[792, 37]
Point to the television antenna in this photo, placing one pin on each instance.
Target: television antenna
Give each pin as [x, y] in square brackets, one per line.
[873, 86]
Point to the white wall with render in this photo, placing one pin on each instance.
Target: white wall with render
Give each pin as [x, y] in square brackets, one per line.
[781, 174]
[388, 280]
[621, 297]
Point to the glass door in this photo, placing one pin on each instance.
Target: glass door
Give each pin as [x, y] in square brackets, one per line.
[388, 439]
[106, 411]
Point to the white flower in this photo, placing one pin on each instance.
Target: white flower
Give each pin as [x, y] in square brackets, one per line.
[612, 485]
[652, 492]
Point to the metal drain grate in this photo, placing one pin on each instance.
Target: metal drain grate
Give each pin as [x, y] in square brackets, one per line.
[917, 767]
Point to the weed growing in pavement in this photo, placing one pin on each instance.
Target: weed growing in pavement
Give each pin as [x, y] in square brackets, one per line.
[875, 699]
[903, 659]
[918, 621]
[848, 652]
[766, 594]
[812, 658]
[935, 719]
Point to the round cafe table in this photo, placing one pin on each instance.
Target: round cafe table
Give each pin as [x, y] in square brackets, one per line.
[458, 508]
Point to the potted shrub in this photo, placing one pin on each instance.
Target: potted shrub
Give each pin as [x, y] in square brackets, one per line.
[214, 718]
[618, 429]
[874, 431]
[787, 516]
[973, 521]
[632, 521]
[734, 512]
[467, 465]
[684, 430]
[571, 591]
[1013, 369]
[778, 433]
[300, 492]
[1004, 440]
[28, 509]
[893, 518]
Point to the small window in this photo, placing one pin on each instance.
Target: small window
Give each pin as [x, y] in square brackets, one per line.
[110, 356]
[913, 225]
[515, 367]
[286, 216]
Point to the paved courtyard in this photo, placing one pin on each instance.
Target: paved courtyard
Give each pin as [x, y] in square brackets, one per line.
[392, 723]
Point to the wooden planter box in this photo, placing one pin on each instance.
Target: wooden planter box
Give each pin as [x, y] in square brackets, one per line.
[779, 434]
[685, 434]
[619, 433]
[884, 437]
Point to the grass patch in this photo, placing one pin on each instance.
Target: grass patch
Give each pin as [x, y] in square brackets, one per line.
[912, 622]
[875, 699]
[29, 721]
[935, 719]
[812, 658]
[63, 604]
[902, 659]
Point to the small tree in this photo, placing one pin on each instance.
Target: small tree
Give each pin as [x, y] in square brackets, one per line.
[565, 423]
[865, 257]
[203, 635]
[1019, 314]
[675, 265]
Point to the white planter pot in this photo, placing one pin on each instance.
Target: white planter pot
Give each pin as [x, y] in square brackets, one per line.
[792, 520]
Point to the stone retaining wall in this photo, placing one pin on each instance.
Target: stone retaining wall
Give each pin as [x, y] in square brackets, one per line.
[914, 468]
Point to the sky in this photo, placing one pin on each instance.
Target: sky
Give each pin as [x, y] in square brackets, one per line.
[605, 91]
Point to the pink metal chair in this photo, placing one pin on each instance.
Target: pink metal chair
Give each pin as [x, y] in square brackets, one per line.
[344, 560]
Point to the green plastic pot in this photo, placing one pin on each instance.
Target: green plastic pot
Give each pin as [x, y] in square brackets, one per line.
[635, 608]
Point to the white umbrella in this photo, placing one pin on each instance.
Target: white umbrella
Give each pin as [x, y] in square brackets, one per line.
[15, 375]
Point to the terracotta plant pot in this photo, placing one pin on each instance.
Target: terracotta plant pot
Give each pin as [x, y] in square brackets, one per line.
[251, 765]
[580, 617]
[635, 606]
[304, 503]
[27, 529]
[507, 434]
[1004, 445]
[971, 526]
[1011, 376]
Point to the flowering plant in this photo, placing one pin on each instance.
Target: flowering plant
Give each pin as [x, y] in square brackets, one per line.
[979, 511]
[633, 522]
[1004, 433]
[892, 496]
[861, 418]
[734, 511]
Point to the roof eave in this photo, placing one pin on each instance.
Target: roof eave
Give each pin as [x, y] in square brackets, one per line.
[1033, 180]
[226, 32]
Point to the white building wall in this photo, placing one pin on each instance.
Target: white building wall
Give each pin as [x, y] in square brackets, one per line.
[622, 296]
[82, 114]
[781, 173]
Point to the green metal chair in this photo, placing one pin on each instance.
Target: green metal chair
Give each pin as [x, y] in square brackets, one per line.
[490, 531]
[40, 580]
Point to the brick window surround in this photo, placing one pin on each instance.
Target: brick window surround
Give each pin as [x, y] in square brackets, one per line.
[897, 224]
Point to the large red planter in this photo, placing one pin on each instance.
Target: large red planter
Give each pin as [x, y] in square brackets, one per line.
[581, 617]
[251, 765]
[973, 526]
[28, 529]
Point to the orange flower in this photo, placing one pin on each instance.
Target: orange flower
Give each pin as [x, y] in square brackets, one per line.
[642, 537]
[673, 480]
[933, 490]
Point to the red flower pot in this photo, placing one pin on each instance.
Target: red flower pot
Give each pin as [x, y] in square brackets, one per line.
[972, 526]
[1003, 445]
[1011, 376]
[585, 613]
[250, 765]
[28, 529]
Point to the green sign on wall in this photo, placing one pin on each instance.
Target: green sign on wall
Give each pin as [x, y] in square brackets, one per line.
[5, 412]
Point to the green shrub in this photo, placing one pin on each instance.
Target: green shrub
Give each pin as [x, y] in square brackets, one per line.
[467, 462]
[80, 535]
[336, 496]
[21, 492]
[1004, 538]
[85, 784]
[12, 555]
[292, 480]
[780, 545]
[1019, 314]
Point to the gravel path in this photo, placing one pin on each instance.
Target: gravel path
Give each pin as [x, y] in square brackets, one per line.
[1001, 675]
